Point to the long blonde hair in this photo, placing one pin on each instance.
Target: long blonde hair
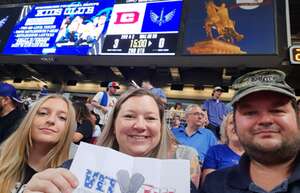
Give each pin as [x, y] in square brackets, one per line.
[108, 138]
[224, 128]
[15, 150]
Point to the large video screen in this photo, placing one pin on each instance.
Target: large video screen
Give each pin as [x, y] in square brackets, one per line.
[68, 28]
[230, 27]
[8, 19]
[143, 29]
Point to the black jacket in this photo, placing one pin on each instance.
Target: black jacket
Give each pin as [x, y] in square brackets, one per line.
[237, 179]
[9, 123]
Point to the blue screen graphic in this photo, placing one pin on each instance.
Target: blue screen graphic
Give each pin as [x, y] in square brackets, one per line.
[69, 28]
[162, 17]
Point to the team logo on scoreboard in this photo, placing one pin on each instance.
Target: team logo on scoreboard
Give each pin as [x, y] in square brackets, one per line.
[3, 21]
[161, 18]
[127, 17]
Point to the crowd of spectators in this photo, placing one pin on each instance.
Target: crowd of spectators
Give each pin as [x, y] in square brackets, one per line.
[231, 148]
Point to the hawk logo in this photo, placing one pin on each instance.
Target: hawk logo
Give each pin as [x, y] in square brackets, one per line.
[3, 21]
[159, 20]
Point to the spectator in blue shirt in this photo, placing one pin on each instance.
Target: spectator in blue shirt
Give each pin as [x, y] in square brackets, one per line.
[216, 111]
[195, 135]
[146, 84]
[226, 154]
[43, 91]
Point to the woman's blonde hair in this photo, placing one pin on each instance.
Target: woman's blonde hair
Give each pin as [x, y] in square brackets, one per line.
[108, 138]
[15, 150]
[223, 128]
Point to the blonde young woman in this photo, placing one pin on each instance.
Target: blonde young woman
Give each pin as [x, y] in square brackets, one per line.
[135, 127]
[226, 154]
[42, 141]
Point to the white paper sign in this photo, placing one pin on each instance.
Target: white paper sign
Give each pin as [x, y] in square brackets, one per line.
[103, 170]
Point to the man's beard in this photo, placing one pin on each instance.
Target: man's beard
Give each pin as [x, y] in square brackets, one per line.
[287, 151]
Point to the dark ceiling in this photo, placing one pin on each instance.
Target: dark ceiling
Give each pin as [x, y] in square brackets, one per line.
[159, 75]
[294, 17]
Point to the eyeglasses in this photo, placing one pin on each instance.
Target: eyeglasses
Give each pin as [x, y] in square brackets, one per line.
[198, 114]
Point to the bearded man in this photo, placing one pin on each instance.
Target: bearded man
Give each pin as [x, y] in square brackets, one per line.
[267, 124]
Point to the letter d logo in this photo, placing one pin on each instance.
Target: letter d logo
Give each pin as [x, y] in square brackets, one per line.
[127, 17]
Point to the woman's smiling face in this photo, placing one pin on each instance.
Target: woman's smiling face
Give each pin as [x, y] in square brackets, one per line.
[138, 126]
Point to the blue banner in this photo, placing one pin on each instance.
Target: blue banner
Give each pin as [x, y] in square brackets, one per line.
[69, 28]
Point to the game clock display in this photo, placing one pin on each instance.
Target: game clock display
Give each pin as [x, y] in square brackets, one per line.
[156, 44]
[143, 29]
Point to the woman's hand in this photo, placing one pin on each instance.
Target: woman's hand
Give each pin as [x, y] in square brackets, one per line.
[54, 180]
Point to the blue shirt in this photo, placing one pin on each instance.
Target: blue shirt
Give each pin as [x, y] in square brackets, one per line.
[220, 156]
[202, 139]
[43, 92]
[158, 92]
[216, 110]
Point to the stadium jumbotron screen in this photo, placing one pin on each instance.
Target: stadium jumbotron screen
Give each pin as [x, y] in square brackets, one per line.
[68, 28]
[236, 27]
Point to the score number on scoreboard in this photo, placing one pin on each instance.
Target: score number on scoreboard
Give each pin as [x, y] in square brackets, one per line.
[152, 44]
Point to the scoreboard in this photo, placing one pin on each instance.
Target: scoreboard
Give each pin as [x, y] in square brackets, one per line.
[143, 44]
[143, 29]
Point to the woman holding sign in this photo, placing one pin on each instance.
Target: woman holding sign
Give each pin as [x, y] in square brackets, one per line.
[42, 141]
[135, 127]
